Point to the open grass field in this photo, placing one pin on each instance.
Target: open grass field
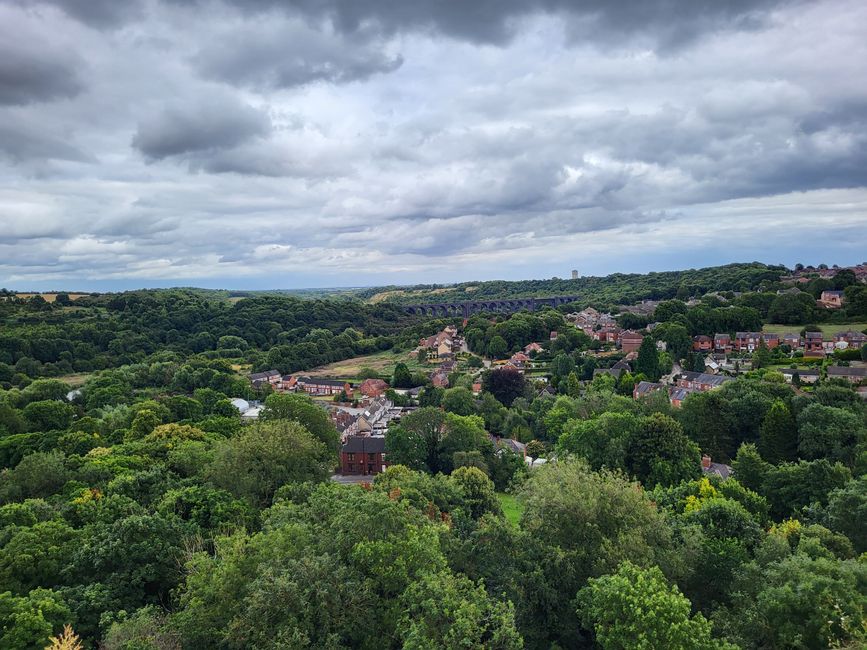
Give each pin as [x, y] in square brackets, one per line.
[49, 297]
[776, 328]
[382, 362]
[75, 380]
[512, 508]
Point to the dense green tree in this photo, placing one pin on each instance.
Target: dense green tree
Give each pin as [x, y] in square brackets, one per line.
[459, 401]
[790, 487]
[647, 362]
[778, 439]
[636, 608]
[137, 558]
[847, 512]
[38, 475]
[448, 611]
[602, 441]
[301, 409]
[828, 432]
[658, 452]
[48, 415]
[799, 601]
[264, 456]
[706, 421]
[402, 378]
[498, 348]
[792, 309]
[36, 556]
[27, 622]
[11, 421]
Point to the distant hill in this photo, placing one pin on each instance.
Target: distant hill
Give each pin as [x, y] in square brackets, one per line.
[618, 288]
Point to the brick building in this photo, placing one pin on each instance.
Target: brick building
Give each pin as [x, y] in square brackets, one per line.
[363, 455]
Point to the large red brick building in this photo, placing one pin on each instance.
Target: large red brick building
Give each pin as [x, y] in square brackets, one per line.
[363, 455]
[630, 341]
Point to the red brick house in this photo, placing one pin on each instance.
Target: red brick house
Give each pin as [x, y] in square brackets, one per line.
[272, 377]
[749, 341]
[701, 381]
[607, 334]
[792, 340]
[363, 455]
[630, 341]
[321, 386]
[814, 345]
[722, 342]
[854, 339]
[702, 343]
[373, 387]
[850, 374]
[644, 388]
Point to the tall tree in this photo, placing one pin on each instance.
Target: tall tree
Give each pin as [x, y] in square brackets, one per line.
[647, 362]
[778, 440]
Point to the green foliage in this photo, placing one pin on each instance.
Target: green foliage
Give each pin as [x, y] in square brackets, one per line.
[459, 401]
[264, 456]
[778, 438]
[598, 519]
[654, 448]
[799, 601]
[448, 611]
[636, 609]
[429, 438]
[301, 409]
[647, 362]
[27, 622]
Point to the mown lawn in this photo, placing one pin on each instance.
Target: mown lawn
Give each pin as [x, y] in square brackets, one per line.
[381, 362]
[827, 328]
[512, 508]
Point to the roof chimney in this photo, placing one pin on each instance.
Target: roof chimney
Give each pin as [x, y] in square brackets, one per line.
[705, 461]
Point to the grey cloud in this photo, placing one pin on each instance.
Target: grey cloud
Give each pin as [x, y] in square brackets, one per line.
[101, 14]
[23, 141]
[496, 21]
[209, 125]
[33, 70]
[279, 54]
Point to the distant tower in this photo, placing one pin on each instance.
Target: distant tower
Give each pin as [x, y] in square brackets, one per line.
[574, 274]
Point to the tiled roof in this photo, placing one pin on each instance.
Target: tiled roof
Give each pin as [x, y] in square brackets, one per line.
[364, 444]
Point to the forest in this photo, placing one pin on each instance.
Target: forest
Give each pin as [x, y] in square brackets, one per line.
[606, 291]
[143, 513]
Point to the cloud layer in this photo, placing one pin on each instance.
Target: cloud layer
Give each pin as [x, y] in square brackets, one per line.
[345, 142]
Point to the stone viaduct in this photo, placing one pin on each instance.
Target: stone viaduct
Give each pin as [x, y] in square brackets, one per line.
[470, 307]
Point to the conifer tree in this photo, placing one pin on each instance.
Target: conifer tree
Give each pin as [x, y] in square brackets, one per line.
[778, 440]
[648, 359]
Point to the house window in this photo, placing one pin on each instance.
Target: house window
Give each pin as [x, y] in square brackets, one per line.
[371, 457]
[351, 456]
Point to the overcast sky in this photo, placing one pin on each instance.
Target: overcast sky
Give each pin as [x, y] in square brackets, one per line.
[299, 143]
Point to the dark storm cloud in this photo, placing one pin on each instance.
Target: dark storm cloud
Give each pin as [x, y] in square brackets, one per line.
[33, 70]
[210, 125]
[497, 21]
[395, 139]
[100, 14]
